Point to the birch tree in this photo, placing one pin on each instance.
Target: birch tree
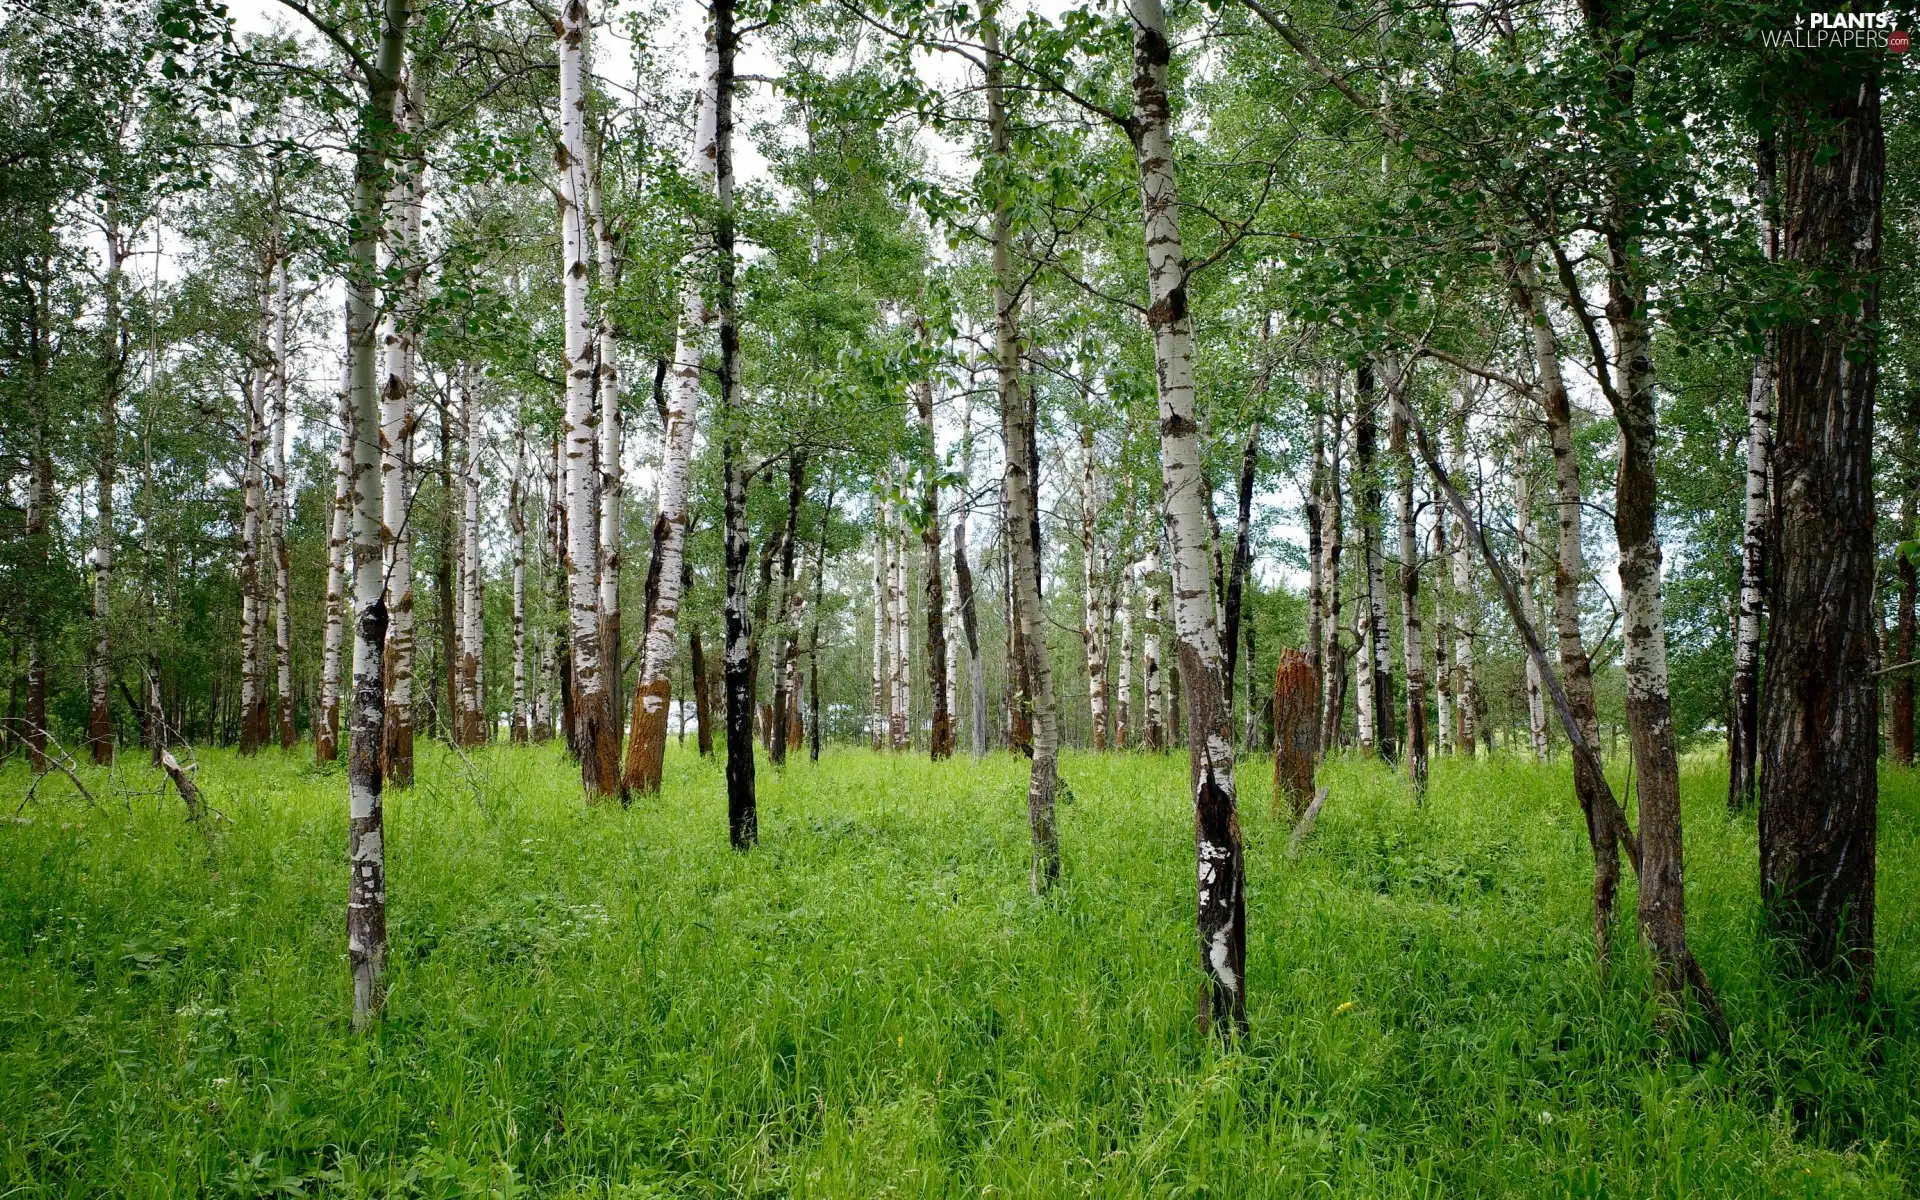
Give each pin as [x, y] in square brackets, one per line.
[326, 733]
[400, 336]
[596, 740]
[1221, 890]
[647, 740]
[277, 511]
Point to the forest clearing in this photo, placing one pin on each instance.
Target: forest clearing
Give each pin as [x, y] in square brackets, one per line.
[1020, 597]
[606, 1002]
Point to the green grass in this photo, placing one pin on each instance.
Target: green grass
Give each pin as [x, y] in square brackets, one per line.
[597, 1002]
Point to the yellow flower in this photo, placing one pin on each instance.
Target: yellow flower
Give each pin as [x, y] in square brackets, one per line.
[1343, 1008]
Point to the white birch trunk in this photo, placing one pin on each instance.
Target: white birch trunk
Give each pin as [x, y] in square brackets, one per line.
[1123, 675]
[647, 745]
[1092, 570]
[252, 617]
[396, 440]
[1523, 526]
[612, 477]
[1466, 685]
[326, 738]
[882, 631]
[899, 673]
[517, 539]
[473, 576]
[279, 503]
[594, 735]
[1221, 878]
[1152, 703]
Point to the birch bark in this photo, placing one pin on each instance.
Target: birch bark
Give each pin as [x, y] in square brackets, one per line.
[647, 742]
[367, 887]
[1743, 736]
[1091, 571]
[326, 733]
[517, 547]
[933, 583]
[1412, 641]
[396, 440]
[278, 505]
[1221, 866]
[253, 698]
[596, 740]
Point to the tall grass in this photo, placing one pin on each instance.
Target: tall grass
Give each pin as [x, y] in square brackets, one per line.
[606, 1002]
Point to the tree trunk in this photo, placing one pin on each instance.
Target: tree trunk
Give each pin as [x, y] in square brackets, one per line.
[1022, 491]
[279, 504]
[1743, 731]
[446, 597]
[1523, 536]
[253, 698]
[1819, 791]
[1151, 703]
[791, 590]
[647, 743]
[396, 440]
[367, 887]
[1378, 650]
[702, 694]
[596, 739]
[882, 626]
[1090, 575]
[517, 537]
[1242, 561]
[1466, 679]
[1412, 641]
[473, 581]
[1333, 535]
[1442, 623]
[100, 658]
[326, 731]
[1316, 571]
[1604, 836]
[1296, 731]
[612, 476]
[933, 583]
[1221, 888]
[1123, 679]
[899, 665]
[969, 616]
[1900, 743]
[743, 821]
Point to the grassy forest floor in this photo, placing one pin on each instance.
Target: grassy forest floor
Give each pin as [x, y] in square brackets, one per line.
[597, 1002]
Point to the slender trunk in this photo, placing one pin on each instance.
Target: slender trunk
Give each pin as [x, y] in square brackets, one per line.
[1412, 641]
[1242, 560]
[596, 739]
[1152, 706]
[253, 698]
[1442, 623]
[969, 619]
[1123, 682]
[612, 476]
[702, 694]
[743, 820]
[882, 621]
[792, 587]
[1221, 883]
[647, 743]
[367, 888]
[446, 597]
[396, 438]
[1743, 731]
[933, 583]
[1333, 683]
[1523, 536]
[40, 504]
[517, 537]
[1091, 571]
[1569, 573]
[819, 606]
[899, 665]
[1379, 643]
[1017, 404]
[473, 579]
[100, 657]
[1466, 680]
[1314, 518]
[1819, 790]
[279, 504]
[1900, 743]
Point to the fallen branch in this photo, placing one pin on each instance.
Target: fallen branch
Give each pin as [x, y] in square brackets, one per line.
[1305, 826]
[182, 782]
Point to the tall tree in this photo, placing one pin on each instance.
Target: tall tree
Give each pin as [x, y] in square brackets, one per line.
[933, 583]
[1743, 732]
[1221, 895]
[1819, 734]
[596, 738]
